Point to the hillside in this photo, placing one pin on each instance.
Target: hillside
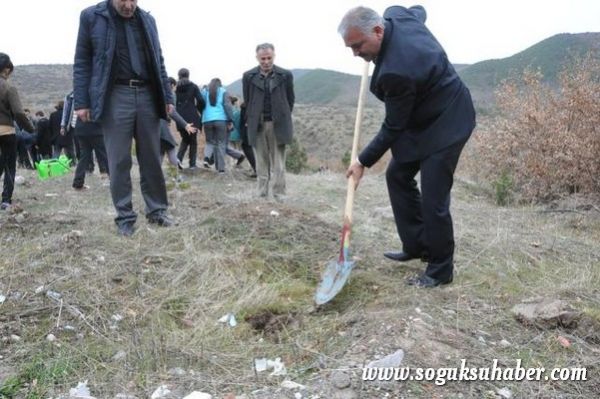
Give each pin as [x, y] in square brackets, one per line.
[79, 303]
[42, 86]
[550, 56]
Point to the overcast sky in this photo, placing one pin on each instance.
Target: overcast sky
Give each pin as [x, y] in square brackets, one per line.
[218, 38]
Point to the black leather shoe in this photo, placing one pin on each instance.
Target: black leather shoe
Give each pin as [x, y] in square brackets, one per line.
[403, 256]
[424, 281]
[161, 220]
[126, 229]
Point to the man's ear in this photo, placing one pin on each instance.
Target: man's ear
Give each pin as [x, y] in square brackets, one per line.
[378, 30]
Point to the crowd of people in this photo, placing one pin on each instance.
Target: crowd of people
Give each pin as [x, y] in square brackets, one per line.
[121, 93]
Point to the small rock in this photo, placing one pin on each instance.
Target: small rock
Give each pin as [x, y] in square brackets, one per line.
[160, 392]
[19, 180]
[481, 339]
[274, 213]
[340, 380]
[120, 355]
[392, 360]
[505, 344]
[505, 393]
[2, 298]
[546, 313]
[15, 338]
[20, 218]
[50, 337]
[298, 395]
[287, 384]
[176, 371]
[100, 259]
[198, 395]
[345, 394]
[53, 295]
[39, 289]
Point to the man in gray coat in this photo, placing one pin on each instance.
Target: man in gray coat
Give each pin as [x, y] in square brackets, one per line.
[119, 80]
[269, 98]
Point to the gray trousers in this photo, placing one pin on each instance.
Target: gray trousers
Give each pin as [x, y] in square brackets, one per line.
[270, 161]
[216, 142]
[131, 113]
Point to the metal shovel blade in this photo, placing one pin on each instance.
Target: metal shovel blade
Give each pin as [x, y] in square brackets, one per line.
[333, 279]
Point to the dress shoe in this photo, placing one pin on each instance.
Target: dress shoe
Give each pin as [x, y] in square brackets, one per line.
[161, 220]
[126, 229]
[403, 256]
[424, 281]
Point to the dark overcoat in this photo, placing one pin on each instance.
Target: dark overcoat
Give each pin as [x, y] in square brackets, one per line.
[427, 106]
[94, 57]
[282, 103]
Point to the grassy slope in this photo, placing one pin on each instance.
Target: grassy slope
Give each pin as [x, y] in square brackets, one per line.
[230, 254]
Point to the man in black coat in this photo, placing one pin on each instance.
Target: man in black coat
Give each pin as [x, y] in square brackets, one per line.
[189, 105]
[429, 118]
[60, 138]
[44, 136]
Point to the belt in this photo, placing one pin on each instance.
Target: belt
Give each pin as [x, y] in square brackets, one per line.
[131, 82]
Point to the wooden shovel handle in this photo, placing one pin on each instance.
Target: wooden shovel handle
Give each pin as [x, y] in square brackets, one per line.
[357, 125]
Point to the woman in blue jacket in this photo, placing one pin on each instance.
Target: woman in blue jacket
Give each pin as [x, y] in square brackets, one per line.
[217, 120]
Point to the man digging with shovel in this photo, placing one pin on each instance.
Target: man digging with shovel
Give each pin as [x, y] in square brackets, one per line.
[429, 117]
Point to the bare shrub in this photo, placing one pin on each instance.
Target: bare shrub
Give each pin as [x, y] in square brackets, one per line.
[546, 139]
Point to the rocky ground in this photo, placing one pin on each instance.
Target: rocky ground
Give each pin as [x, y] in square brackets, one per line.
[78, 303]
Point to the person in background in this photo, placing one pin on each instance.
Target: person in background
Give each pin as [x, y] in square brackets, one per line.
[168, 144]
[68, 123]
[89, 136]
[189, 105]
[11, 111]
[61, 139]
[269, 98]
[44, 136]
[246, 147]
[216, 122]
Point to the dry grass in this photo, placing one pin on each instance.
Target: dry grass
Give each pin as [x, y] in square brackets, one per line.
[229, 254]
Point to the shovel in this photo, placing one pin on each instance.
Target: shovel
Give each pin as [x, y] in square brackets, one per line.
[336, 272]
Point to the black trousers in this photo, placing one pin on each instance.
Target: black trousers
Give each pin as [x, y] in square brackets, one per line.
[191, 141]
[423, 217]
[247, 148]
[87, 144]
[8, 165]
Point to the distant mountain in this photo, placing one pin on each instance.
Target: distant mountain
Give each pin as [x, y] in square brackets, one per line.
[319, 86]
[43, 85]
[549, 55]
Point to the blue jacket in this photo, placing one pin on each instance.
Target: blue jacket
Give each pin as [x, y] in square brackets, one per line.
[427, 107]
[94, 56]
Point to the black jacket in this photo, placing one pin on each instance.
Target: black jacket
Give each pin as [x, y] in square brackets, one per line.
[94, 57]
[190, 103]
[427, 107]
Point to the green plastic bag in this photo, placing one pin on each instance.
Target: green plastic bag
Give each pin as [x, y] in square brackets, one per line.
[48, 168]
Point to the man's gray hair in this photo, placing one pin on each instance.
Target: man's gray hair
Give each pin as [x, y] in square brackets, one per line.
[265, 46]
[362, 18]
